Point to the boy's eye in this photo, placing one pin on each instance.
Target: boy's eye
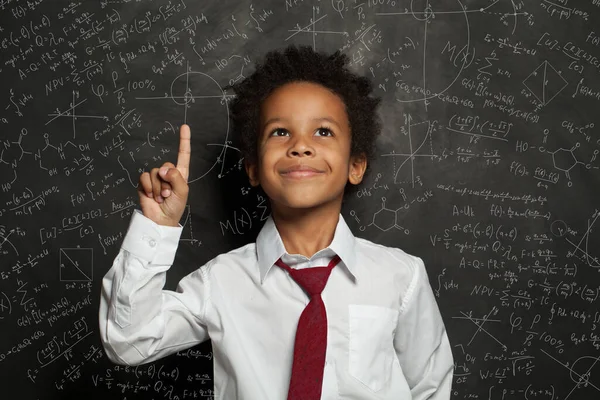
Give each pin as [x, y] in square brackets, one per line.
[276, 130]
[322, 131]
[326, 131]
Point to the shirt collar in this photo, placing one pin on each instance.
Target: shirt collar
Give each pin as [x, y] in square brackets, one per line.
[270, 247]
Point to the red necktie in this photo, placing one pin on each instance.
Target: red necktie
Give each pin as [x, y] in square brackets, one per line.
[311, 335]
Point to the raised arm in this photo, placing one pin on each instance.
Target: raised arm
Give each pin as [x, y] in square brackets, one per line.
[139, 321]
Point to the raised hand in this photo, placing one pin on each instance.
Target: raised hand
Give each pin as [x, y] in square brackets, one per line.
[164, 191]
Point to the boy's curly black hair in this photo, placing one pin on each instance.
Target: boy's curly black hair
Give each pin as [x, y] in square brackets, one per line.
[302, 63]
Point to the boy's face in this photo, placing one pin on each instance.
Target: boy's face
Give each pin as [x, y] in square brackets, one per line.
[304, 125]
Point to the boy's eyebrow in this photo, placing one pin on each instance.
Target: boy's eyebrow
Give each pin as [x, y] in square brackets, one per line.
[317, 119]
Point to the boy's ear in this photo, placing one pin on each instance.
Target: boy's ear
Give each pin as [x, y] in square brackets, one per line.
[358, 165]
[252, 172]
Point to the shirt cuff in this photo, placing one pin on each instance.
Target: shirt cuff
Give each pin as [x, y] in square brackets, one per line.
[150, 241]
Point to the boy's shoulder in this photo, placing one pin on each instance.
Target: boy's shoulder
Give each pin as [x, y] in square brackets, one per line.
[392, 258]
[392, 265]
[242, 256]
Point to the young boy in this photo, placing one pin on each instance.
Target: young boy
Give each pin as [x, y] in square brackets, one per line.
[309, 311]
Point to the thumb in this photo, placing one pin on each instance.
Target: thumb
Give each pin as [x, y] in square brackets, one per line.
[177, 181]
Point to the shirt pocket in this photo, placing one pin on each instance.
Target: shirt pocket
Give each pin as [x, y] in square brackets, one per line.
[371, 352]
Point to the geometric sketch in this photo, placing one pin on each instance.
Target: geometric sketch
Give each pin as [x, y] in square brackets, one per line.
[181, 94]
[76, 265]
[187, 234]
[479, 322]
[311, 28]
[581, 379]
[451, 15]
[424, 136]
[413, 149]
[545, 83]
[585, 245]
[70, 113]
[443, 16]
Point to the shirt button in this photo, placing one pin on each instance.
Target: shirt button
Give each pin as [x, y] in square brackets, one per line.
[152, 242]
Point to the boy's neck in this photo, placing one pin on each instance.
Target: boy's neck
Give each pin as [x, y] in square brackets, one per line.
[306, 231]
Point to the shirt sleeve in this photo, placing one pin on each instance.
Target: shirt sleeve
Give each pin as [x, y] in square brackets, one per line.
[421, 341]
[139, 321]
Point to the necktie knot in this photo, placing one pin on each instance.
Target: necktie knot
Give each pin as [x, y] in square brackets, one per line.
[312, 280]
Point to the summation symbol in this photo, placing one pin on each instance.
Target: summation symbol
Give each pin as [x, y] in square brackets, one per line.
[450, 14]
[426, 17]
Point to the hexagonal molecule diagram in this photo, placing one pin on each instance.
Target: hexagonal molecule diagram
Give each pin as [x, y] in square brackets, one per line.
[565, 160]
[386, 219]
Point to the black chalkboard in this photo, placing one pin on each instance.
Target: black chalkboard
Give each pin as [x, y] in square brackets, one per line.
[487, 168]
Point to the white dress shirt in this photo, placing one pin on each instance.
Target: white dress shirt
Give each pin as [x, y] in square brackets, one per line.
[386, 338]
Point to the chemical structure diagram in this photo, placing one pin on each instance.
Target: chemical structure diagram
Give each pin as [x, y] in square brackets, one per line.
[12, 155]
[565, 160]
[385, 218]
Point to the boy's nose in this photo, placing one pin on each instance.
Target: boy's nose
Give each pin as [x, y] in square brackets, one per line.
[304, 151]
[301, 147]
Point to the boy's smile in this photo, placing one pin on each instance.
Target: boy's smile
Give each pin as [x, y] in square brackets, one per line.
[300, 171]
[304, 144]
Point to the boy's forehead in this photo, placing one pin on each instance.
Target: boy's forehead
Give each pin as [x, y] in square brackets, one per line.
[324, 118]
[301, 101]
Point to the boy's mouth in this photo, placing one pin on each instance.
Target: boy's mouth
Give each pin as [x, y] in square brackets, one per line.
[300, 171]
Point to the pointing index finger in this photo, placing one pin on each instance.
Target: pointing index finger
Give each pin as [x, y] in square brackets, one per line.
[185, 150]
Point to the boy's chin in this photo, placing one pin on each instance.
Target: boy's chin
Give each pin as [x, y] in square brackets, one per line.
[306, 203]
